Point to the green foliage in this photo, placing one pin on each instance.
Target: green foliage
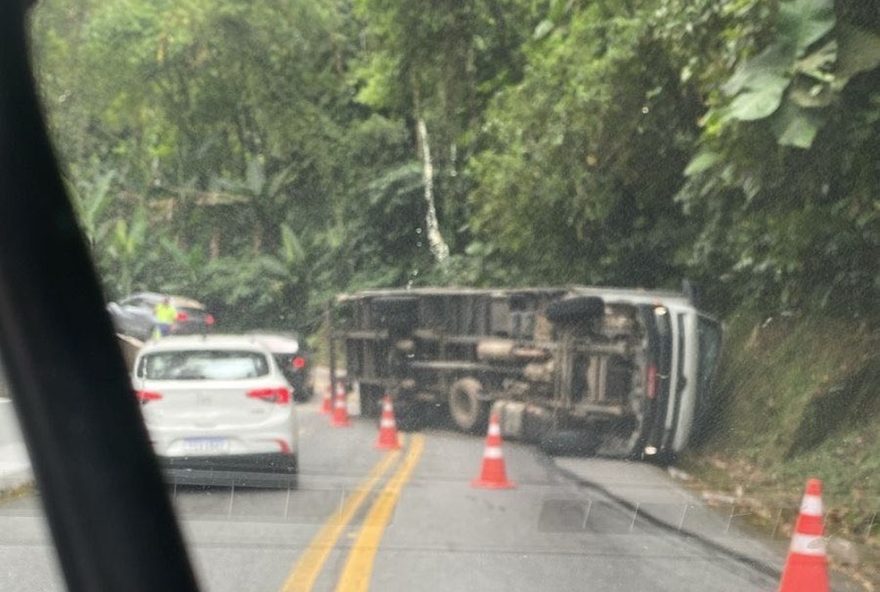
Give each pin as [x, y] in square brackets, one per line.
[773, 176]
[127, 253]
[800, 397]
[264, 156]
[93, 198]
[796, 78]
[583, 156]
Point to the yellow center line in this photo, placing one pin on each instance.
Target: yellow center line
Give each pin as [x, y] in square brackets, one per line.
[306, 570]
[359, 566]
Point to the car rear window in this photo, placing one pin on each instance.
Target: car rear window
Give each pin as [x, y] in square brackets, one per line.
[203, 365]
[193, 313]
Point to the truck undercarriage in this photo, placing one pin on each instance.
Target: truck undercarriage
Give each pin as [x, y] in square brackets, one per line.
[559, 367]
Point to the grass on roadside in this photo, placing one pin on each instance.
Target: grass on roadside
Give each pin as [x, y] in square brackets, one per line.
[800, 398]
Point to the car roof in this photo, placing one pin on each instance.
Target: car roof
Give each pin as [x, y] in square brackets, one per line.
[277, 343]
[182, 301]
[274, 332]
[230, 342]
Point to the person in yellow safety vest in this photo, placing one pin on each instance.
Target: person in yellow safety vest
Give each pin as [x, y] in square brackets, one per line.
[164, 316]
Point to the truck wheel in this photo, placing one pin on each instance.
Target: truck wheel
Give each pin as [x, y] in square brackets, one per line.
[575, 308]
[410, 416]
[569, 443]
[468, 411]
[536, 427]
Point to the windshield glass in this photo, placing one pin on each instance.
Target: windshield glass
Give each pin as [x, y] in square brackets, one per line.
[467, 295]
[203, 365]
[709, 336]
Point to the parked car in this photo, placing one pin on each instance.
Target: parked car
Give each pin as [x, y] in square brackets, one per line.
[217, 403]
[292, 358]
[134, 315]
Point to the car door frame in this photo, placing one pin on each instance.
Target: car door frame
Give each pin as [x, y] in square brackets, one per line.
[107, 507]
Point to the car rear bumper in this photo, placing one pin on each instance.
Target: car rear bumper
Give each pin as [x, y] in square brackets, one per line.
[256, 463]
[273, 436]
[251, 470]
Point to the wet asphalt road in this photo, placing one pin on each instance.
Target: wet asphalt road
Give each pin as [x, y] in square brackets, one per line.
[571, 524]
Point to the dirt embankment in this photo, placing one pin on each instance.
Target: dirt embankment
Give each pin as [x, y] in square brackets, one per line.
[801, 398]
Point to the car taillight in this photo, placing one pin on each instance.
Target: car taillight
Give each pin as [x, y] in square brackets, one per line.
[298, 362]
[279, 396]
[651, 386]
[182, 316]
[209, 319]
[146, 396]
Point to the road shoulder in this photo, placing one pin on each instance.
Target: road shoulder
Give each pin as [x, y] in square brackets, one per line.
[652, 495]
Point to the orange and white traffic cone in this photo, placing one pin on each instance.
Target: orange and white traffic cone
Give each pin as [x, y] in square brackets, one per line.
[339, 419]
[387, 427]
[806, 569]
[493, 475]
[327, 403]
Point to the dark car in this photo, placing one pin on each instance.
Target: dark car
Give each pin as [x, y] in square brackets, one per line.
[134, 315]
[292, 358]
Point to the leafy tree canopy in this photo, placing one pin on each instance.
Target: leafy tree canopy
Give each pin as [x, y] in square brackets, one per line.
[263, 156]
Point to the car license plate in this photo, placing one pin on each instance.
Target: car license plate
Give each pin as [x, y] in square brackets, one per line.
[206, 445]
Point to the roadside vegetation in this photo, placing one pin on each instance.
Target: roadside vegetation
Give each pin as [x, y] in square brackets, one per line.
[800, 398]
[263, 156]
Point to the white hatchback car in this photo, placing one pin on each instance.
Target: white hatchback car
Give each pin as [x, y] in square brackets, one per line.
[216, 403]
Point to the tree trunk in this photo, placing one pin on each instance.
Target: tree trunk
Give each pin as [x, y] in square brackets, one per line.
[215, 244]
[257, 239]
[438, 246]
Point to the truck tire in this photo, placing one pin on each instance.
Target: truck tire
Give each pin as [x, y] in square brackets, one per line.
[371, 401]
[569, 443]
[410, 416]
[468, 411]
[576, 308]
[536, 426]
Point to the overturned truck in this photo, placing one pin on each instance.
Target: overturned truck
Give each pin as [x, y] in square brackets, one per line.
[621, 372]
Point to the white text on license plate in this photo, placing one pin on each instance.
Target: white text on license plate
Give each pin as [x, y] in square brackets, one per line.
[205, 445]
